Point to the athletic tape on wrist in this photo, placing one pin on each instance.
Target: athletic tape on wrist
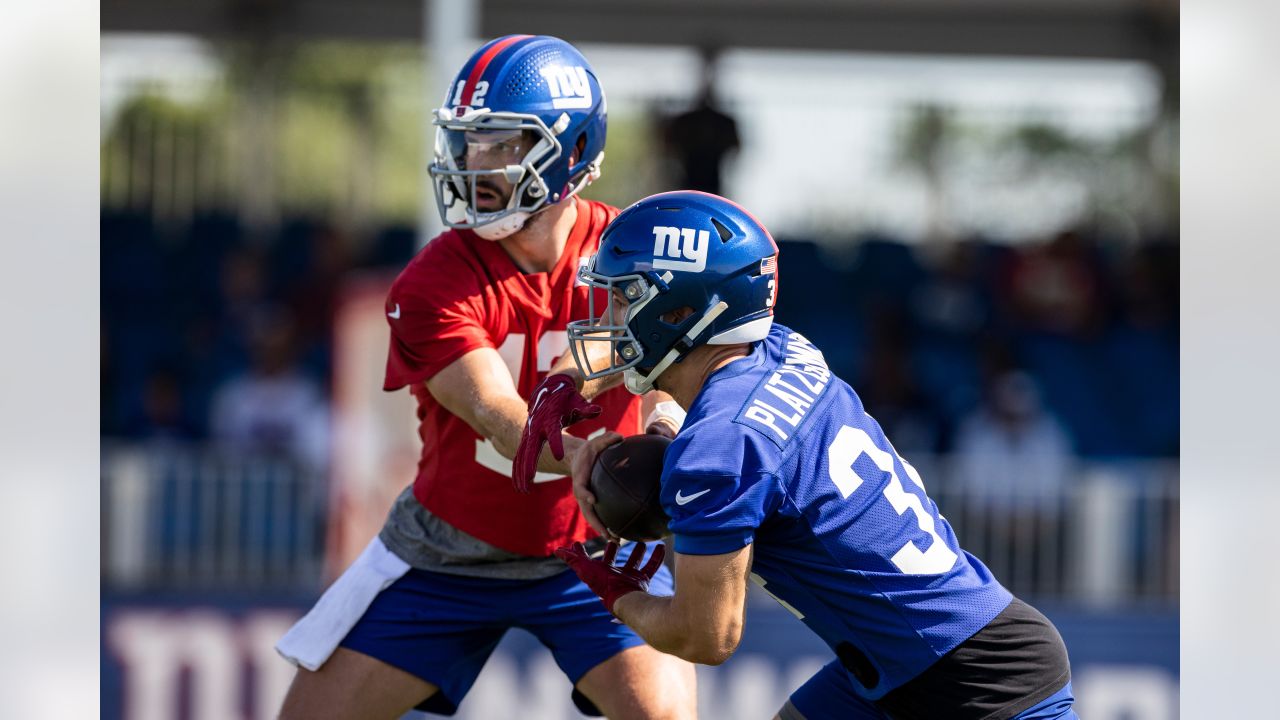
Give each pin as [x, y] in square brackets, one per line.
[669, 410]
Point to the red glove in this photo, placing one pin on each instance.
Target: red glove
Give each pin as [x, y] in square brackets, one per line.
[556, 404]
[605, 579]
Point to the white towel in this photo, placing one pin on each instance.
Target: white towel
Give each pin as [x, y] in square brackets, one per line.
[313, 639]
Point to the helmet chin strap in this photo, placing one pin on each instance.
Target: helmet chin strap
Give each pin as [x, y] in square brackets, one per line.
[505, 226]
[636, 383]
[640, 384]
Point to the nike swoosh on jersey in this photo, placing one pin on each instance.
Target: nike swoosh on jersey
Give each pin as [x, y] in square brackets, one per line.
[683, 499]
[395, 314]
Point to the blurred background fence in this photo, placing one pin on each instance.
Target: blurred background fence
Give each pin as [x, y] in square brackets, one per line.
[187, 517]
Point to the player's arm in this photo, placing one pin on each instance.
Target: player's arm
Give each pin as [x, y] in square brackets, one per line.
[478, 388]
[597, 353]
[561, 400]
[663, 415]
[702, 622]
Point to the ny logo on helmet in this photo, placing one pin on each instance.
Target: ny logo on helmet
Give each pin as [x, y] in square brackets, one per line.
[680, 249]
[568, 85]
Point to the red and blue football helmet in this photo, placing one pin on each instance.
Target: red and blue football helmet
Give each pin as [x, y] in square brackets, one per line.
[667, 252]
[536, 97]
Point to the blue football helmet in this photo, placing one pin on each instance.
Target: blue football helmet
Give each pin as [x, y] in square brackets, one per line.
[513, 116]
[667, 252]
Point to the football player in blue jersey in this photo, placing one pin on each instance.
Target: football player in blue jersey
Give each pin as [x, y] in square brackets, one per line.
[780, 476]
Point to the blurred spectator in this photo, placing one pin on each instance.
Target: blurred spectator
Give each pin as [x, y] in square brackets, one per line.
[1058, 287]
[216, 332]
[312, 295]
[701, 138]
[163, 411]
[953, 302]
[1013, 460]
[243, 283]
[220, 336]
[1097, 326]
[1149, 289]
[951, 308]
[273, 407]
[889, 389]
[1012, 454]
[1142, 352]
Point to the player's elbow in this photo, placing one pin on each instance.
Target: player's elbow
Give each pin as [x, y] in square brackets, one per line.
[713, 648]
[713, 654]
[717, 656]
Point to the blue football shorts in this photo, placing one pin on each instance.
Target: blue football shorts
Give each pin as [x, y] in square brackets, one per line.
[442, 628]
[829, 695]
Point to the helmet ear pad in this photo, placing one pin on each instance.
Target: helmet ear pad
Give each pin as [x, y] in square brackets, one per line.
[677, 316]
[673, 318]
[576, 164]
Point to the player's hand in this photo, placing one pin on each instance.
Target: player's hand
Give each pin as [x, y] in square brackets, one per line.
[583, 461]
[611, 581]
[555, 404]
[664, 427]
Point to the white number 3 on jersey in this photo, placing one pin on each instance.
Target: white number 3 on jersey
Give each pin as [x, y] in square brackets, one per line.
[849, 445]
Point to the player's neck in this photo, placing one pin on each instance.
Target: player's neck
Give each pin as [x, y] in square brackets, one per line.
[537, 247]
[684, 380]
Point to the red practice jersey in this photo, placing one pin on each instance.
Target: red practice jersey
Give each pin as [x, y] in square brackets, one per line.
[461, 293]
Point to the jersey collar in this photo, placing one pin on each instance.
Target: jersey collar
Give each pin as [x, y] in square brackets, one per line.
[535, 289]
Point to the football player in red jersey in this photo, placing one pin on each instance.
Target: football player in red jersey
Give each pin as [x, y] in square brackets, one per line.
[477, 322]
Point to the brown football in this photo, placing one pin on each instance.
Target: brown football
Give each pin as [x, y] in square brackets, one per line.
[626, 480]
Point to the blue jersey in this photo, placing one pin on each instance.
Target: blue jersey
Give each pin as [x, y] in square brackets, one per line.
[778, 452]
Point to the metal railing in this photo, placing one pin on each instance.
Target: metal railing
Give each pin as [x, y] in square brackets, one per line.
[1108, 537]
[184, 517]
[191, 517]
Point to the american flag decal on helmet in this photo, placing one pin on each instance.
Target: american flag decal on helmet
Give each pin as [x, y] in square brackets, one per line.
[769, 265]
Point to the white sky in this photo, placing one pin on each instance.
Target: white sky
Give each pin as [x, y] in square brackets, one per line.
[817, 128]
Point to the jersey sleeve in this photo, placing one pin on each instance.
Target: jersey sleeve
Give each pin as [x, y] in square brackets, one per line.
[717, 492]
[434, 321]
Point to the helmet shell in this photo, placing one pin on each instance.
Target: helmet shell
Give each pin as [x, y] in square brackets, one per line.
[544, 77]
[701, 250]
